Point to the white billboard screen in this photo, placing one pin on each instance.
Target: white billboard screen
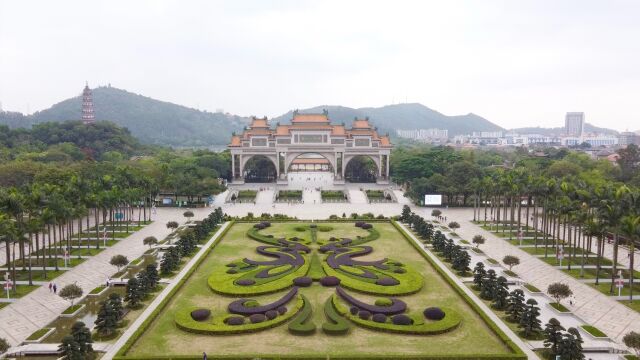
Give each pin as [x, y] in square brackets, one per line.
[433, 200]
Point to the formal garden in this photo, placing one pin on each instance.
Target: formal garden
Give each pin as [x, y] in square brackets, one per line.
[311, 290]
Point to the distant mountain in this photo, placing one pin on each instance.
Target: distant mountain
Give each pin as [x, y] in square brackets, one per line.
[152, 121]
[588, 128]
[402, 116]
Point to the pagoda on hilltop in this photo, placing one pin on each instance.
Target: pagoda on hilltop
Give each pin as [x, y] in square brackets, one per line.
[88, 116]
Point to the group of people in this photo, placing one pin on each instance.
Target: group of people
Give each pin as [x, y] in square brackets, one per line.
[53, 287]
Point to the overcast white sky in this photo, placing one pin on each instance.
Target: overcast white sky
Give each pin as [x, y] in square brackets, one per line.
[517, 63]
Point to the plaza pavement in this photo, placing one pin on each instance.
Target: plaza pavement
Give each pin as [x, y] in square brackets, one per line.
[40, 307]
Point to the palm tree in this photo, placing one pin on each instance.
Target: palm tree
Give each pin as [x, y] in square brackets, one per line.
[630, 227]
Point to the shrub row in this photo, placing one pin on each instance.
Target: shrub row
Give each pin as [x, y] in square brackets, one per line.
[410, 283]
[145, 324]
[517, 352]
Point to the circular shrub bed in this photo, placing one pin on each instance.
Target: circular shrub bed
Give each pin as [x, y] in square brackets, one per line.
[329, 281]
[200, 314]
[234, 320]
[434, 313]
[387, 281]
[364, 314]
[379, 318]
[401, 319]
[245, 282]
[354, 310]
[271, 314]
[282, 310]
[383, 302]
[257, 318]
[303, 281]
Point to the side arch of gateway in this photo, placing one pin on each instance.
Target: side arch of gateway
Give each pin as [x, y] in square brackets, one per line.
[310, 143]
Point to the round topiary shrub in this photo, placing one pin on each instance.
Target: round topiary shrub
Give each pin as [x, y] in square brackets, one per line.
[234, 320]
[303, 281]
[333, 238]
[232, 271]
[383, 302]
[271, 314]
[245, 282]
[257, 318]
[266, 224]
[379, 318]
[232, 265]
[366, 226]
[399, 271]
[259, 226]
[282, 310]
[387, 281]
[364, 314]
[359, 223]
[401, 319]
[200, 314]
[354, 310]
[329, 281]
[434, 313]
[295, 238]
[313, 226]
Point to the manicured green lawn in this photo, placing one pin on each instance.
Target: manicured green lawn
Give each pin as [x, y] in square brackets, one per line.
[635, 304]
[604, 288]
[38, 274]
[473, 336]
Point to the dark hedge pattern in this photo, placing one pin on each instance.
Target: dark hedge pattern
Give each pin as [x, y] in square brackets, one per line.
[239, 306]
[434, 313]
[396, 306]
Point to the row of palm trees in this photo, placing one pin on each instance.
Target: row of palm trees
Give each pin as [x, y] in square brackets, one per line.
[39, 222]
[565, 214]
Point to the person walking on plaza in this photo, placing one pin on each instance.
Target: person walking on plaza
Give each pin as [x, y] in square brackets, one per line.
[55, 288]
[50, 287]
[204, 356]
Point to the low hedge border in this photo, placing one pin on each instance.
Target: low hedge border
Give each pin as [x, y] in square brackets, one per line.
[518, 353]
[451, 321]
[121, 354]
[217, 326]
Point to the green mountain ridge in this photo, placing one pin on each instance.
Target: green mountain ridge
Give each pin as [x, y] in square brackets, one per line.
[401, 116]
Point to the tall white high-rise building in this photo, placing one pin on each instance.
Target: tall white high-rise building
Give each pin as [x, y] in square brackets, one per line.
[574, 123]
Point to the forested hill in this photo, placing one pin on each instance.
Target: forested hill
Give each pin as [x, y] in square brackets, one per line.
[152, 121]
[403, 116]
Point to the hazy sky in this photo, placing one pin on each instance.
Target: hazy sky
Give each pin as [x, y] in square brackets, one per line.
[517, 63]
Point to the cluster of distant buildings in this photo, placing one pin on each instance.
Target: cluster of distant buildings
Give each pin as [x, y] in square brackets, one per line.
[572, 136]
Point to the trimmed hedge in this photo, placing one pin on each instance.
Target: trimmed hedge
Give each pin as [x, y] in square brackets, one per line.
[218, 325]
[303, 324]
[450, 322]
[335, 324]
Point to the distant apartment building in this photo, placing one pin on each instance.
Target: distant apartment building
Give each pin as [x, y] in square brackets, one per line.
[424, 134]
[574, 124]
[627, 137]
[593, 140]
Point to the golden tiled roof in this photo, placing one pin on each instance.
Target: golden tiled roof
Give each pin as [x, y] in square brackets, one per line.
[310, 118]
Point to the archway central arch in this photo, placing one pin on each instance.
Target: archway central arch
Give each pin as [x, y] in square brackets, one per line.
[310, 162]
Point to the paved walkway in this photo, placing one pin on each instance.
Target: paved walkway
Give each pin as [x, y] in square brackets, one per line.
[38, 308]
[521, 344]
[599, 310]
[156, 302]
